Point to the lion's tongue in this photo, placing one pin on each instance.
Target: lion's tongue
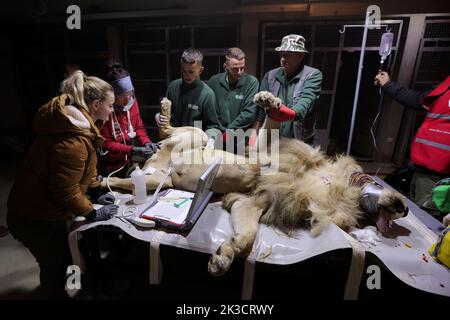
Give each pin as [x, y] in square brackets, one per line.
[383, 222]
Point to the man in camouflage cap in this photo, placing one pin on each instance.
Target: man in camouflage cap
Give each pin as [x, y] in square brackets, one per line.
[298, 86]
[292, 43]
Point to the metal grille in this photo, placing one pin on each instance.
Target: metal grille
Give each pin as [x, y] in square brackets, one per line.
[434, 66]
[152, 55]
[437, 30]
[278, 31]
[353, 36]
[327, 36]
[433, 61]
[322, 60]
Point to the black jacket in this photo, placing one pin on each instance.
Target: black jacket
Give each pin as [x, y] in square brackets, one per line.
[407, 97]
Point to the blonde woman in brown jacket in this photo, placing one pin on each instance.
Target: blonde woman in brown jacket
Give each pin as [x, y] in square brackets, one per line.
[58, 170]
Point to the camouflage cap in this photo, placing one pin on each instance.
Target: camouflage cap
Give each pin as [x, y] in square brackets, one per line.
[292, 43]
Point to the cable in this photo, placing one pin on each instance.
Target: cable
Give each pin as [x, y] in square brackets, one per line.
[107, 178]
[128, 212]
[124, 142]
[373, 135]
[375, 121]
[376, 173]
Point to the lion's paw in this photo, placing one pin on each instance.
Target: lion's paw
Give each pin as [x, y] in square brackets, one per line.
[218, 265]
[166, 104]
[267, 100]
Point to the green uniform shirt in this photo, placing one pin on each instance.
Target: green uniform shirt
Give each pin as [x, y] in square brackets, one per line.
[301, 105]
[234, 104]
[193, 102]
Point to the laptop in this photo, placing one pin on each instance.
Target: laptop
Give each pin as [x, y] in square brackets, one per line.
[179, 210]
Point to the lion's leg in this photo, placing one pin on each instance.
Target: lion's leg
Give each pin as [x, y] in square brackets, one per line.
[166, 110]
[244, 217]
[266, 136]
[152, 181]
[230, 199]
[267, 101]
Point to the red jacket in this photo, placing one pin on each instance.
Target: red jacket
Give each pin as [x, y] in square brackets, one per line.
[431, 145]
[117, 142]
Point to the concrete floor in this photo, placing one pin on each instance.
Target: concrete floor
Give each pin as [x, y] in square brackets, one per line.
[19, 273]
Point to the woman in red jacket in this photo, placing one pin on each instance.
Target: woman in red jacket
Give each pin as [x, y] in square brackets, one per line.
[124, 133]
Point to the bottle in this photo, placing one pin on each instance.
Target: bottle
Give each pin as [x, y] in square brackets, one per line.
[385, 46]
[139, 187]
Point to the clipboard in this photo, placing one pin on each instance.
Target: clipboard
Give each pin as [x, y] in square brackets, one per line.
[181, 214]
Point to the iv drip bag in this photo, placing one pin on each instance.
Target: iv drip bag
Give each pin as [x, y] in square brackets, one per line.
[386, 45]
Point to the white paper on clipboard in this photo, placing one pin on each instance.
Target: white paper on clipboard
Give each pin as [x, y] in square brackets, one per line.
[165, 209]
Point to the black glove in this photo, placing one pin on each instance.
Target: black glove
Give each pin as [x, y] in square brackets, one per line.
[142, 152]
[107, 198]
[153, 146]
[104, 213]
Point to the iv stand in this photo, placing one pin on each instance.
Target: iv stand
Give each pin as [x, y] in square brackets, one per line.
[360, 66]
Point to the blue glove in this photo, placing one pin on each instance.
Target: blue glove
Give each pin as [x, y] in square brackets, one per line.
[104, 213]
[107, 198]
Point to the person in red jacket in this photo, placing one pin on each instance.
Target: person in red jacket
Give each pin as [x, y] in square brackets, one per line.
[430, 149]
[125, 136]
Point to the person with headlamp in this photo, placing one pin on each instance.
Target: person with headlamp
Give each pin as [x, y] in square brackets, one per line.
[126, 138]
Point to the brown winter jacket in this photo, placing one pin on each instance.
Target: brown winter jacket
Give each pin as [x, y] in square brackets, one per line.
[60, 165]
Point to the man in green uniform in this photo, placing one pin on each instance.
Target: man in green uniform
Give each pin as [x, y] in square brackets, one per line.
[298, 86]
[234, 90]
[192, 100]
